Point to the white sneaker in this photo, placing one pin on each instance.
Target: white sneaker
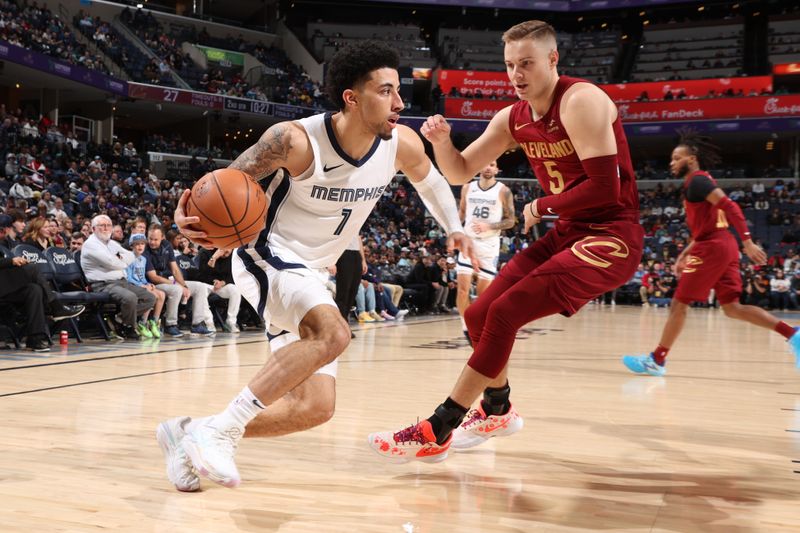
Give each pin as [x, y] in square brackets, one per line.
[376, 316]
[179, 467]
[211, 451]
[401, 314]
[477, 427]
[231, 326]
[386, 315]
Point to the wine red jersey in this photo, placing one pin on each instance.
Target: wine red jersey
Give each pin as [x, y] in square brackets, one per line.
[556, 165]
[705, 220]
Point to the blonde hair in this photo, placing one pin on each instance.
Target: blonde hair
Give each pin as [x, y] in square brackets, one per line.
[530, 29]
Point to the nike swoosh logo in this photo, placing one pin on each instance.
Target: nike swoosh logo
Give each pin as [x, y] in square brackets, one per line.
[326, 168]
[258, 404]
[550, 210]
[518, 127]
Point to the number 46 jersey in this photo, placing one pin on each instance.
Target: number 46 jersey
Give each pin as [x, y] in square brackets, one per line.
[556, 165]
[314, 216]
[483, 206]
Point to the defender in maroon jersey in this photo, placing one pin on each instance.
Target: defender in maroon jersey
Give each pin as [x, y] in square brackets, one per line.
[712, 258]
[571, 132]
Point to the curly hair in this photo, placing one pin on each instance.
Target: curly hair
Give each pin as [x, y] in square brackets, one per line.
[352, 65]
[700, 146]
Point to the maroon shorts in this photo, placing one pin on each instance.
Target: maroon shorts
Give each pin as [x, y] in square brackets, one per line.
[582, 261]
[711, 264]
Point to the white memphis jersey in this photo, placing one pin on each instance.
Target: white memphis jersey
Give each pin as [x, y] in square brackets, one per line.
[313, 217]
[483, 206]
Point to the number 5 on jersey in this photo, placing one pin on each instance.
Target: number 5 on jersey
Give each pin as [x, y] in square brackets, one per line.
[557, 182]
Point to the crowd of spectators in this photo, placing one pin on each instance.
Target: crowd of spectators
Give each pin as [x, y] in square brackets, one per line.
[53, 187]
[37, 28]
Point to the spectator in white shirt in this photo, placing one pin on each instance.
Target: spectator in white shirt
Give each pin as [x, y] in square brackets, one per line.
[779, 290]
[104, 262]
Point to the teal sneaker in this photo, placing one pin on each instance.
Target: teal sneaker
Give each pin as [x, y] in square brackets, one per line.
[794, 344]
[644, 364]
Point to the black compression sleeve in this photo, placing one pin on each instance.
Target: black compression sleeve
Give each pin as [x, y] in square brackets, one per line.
[699, 187]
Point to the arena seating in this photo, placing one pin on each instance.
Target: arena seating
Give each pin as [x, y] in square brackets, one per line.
[784, 40]
[589, 55]
[690, 51]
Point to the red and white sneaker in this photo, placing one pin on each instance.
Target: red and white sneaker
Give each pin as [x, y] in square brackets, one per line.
[477, 428]
[414, 443]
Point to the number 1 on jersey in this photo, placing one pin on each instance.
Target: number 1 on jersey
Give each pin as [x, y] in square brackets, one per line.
[345, 216]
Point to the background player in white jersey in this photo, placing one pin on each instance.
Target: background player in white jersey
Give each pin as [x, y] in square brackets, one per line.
[331, 170]
[487, 208]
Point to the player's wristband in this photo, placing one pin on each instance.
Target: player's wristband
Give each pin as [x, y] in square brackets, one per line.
[438, 198]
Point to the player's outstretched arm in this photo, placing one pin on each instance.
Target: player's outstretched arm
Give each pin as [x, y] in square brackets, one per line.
[434, 191]
[588, 115]
[461, 167]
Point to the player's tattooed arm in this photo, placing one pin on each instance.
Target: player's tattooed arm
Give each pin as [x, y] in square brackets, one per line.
[271, 152]
[508, 219]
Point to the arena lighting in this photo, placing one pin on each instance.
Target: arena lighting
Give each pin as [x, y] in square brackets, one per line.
[641, 13]
[701, 8]
[603, 25]
[646, 22]
[139, 6]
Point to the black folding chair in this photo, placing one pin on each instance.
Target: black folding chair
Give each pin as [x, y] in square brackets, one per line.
[71, 288]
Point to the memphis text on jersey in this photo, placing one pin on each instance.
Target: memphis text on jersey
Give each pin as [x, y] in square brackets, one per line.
[346, 195]
[545, 150]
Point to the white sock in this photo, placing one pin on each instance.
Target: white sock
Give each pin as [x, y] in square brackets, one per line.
[239, 412]
[463, 324]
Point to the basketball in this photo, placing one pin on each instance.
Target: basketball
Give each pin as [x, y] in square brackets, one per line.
[231, 207]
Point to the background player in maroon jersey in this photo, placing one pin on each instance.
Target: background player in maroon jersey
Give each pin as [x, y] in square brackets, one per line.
[712, 258]
[571, 132]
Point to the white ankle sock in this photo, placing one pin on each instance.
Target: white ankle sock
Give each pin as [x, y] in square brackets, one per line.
[239, 412]
[195, 423]
[463, 324]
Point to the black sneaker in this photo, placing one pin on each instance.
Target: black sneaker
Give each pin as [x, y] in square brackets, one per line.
[63, 312]
[128, 333]
[38, 344]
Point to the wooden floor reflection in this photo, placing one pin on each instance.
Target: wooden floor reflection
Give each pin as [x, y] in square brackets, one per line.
[710, 447]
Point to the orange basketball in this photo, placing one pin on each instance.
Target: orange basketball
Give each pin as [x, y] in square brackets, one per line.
[231, 207]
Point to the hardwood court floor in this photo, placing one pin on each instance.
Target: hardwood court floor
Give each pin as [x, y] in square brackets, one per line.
[708, 448]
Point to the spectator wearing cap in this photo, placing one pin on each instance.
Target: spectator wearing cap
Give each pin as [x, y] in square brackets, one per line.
[7, 234]
[105, 262]
[147, 327]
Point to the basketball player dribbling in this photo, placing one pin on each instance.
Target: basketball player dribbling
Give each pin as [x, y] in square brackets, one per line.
[324, 175]
[572, 135]
[487, 208]
[711, 261]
